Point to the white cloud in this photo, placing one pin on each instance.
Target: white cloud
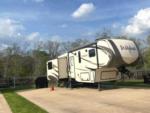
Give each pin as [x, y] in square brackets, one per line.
[84, 10]
[10, 28]
[139, 24]
[55, 38]
[33, 36]
[3, 46]
[12, 31]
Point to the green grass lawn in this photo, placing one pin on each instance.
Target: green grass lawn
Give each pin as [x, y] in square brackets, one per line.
[133, 83]
[18, 104]
[129, 83]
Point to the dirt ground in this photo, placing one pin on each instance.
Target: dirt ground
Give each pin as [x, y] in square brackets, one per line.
[4, 108]
[86, 100]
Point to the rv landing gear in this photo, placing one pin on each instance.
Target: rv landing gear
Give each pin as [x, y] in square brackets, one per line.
[99, 86]
[70, 83]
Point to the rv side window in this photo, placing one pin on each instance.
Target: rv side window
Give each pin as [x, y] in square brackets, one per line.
[91, 52]
[49, 65]
[79, 56]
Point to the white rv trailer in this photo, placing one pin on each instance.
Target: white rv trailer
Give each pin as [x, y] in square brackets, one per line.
[94, 63]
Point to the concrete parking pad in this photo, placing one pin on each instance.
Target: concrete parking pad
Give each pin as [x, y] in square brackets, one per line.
[84, 100]
[4, 108]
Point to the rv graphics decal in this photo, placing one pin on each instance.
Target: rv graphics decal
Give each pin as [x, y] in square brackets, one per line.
[127, 47]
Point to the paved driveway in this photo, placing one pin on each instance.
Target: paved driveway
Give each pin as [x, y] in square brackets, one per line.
[84, 100]
[4, 108]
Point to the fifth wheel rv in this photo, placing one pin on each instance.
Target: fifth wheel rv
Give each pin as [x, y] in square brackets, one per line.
[94, 63]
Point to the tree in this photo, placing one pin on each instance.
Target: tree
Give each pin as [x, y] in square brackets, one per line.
[1, 67]
[121, 37]
[53, 48]
[148, 40]
[67, 46]
[147, 58]
[105, 34]
[146, 53]
[27, 67]
[11, 60]
[15, 63]
[79, 43]
[40, 59]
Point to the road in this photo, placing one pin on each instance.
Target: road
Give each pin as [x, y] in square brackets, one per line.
[86, 100]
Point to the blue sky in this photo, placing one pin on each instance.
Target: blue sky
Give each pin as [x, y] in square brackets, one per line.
[34, 20]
